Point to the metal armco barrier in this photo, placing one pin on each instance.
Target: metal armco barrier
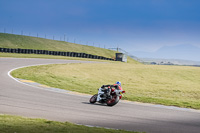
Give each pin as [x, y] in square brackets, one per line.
[58, 53]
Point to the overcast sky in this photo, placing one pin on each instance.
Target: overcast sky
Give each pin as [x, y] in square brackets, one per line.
[134, 25]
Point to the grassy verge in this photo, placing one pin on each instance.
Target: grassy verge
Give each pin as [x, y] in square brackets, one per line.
[16, 124]
[167, 85]
[15, 55]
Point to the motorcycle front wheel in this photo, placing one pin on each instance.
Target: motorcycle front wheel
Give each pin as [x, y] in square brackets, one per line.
[113, 101]
[93, 99]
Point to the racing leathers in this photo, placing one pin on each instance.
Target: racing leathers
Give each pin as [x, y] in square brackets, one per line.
[108, 89]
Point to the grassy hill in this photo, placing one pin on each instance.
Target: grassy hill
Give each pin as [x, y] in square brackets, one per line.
[27, 42]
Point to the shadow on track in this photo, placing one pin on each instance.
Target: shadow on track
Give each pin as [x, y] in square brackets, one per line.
[98, 104]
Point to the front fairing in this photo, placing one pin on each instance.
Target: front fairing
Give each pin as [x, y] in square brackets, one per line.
[100, 92]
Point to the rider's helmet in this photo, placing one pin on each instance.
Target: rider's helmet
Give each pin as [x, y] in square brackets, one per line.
[118, 83]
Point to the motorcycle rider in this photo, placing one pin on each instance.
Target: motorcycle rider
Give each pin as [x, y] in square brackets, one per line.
[118, 85]
[109, 89]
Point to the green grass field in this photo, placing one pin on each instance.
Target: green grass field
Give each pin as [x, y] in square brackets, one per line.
[16, 124]
[27, 42]
[167, 85]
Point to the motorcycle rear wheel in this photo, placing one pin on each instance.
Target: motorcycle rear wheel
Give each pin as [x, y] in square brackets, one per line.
[113, 101]
[93, 99]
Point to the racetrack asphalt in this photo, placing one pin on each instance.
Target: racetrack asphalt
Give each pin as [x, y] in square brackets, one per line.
[29, 101]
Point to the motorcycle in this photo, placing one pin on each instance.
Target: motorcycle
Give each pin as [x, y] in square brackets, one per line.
[109, 94]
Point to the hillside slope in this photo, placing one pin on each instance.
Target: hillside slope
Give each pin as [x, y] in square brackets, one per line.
[27, 42]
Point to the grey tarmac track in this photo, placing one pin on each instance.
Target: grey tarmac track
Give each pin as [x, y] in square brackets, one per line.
[29, 101]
